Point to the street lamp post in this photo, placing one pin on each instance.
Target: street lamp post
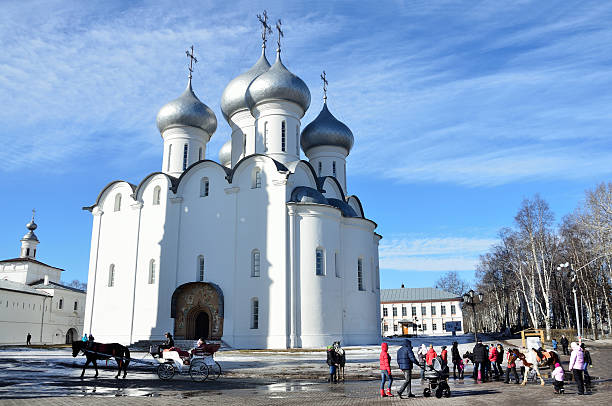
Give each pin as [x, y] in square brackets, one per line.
[469, 299]
[414, 326]
[572, 276]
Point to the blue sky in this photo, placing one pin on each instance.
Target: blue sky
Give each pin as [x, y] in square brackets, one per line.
[459, 110]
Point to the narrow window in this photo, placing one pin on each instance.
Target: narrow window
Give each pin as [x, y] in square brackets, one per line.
[334, 168]
[424, 326]
[385, 312]
[433, 310]
[385, 328]
[27, 252]
[204, 187]
[76, 305]
[413, 311]
[201, 268]
[151, 272]
[111, 276]
[423, 310]
[394, 311]
[443, 310]
[320, 263]
[254, 313]
[320, 168]
[169, 156]
[404, 311]
[60, 305]
[255, 263]
[185, 155]
[297, 137]
[453, 309]
[434, 326]
[283, 136]
[395, 327]
[360, 274]
[266, 136]
[118, 202]
[156, 195]
[200, 154]
[256, 178]
[336, 266]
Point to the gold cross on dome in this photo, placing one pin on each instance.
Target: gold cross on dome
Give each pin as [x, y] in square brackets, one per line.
[265, 27]
[280, 33]
[325, 83]
[192, 59]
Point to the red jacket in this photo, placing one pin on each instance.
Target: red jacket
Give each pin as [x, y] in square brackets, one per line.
[493, 354]
[444, 355]
[385, 358]
[431, 354]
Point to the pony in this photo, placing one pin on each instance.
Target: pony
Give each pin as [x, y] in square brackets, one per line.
[94, 351]
[530, 361]
[340, 359]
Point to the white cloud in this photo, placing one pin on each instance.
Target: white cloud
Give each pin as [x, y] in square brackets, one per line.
[404, 253]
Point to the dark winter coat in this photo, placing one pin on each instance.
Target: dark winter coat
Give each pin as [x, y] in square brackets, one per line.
[405, 356]
[480, 353]
[455, 354]
[564, 342]
[587, 357]
[331, 356]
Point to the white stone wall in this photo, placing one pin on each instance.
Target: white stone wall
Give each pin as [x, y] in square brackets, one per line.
[427, 319]
[28, 272]
[20, 314]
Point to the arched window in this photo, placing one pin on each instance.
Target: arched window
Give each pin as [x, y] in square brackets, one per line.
[200, 154]
[169, 156]
[266, 136]
[320, 168]
[283, 136]
[334, 168]
[156, 195]
[297, 137]
[118, 202]
[255, 263]
[60, 305]
[256, 178]
[204, 187]
[201, 268]
[185, 155]
[360, 274]
[319, 262]
[76, 305]
[254, 313]
[111, 276]
[151, 272]
[336, 265]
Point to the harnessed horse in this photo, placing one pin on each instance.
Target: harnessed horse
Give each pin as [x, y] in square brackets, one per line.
[94, 351]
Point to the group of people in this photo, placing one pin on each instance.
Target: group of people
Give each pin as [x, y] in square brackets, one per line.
[335, 359]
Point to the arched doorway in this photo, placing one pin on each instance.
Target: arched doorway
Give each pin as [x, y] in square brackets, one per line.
[71, 335]
[197, 309]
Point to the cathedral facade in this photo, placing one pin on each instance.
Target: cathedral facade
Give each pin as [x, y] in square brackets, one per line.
[259, 250]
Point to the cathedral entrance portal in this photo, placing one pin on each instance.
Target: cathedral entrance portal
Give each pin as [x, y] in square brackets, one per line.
[197, 309]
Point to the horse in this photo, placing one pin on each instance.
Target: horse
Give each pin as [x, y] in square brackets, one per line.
[341, 359]
[530, 361]
[95, 351]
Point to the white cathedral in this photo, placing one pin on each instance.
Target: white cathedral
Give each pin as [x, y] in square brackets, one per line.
[263, 250]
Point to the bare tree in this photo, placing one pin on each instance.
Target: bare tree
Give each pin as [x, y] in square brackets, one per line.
[452, 282]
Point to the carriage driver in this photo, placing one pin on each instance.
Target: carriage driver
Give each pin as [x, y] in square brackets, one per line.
[169, 343]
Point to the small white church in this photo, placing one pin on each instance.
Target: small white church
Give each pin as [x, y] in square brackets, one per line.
[260, 250]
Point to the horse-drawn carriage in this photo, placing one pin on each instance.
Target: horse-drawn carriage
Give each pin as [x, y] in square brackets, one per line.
[199, 364]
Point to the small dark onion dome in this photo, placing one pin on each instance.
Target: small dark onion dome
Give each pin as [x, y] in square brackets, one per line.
[225, 154]
[326, 130]
[187, 110]
[278, 83]
[233, 99]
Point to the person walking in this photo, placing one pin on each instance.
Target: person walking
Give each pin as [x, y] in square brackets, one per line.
[587, 362]
[444, 357]
[558, 376]
[84, 339]
[406, 360]
[564, 344]
[511, 367]
[431, 354]
[385, 371]
[500, 359]
[461, 367]
[29, 339]
[455, 357]
[554, 344]
[421, 354]
[493, 360]
[480, 355]
[332, 362]
[576, 365]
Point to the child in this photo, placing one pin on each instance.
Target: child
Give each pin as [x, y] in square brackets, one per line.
[559, 375]
[461, 368]
[385, 371]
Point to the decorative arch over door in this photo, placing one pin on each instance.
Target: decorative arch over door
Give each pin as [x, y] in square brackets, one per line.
[197, 309]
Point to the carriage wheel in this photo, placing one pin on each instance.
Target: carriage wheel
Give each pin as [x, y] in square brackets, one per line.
[427, 392]
[439, 392]
[165, 371]
[447, 393]
[214, 371]
[198, 371]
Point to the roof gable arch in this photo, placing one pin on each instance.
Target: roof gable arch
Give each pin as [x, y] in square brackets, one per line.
[355, 203]
[105, 190]
[329, 182]
[142, 186]
[216, 167]
[237, 168]
[308, 171]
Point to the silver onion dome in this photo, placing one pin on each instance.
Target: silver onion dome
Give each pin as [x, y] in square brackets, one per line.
[31, 226]
[225, 154]
[278, 83]
[233, 99]
[187, 110]
[326, 130]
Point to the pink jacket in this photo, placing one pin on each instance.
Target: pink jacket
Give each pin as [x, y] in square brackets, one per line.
[493, 354]
[558, 374]
[576, 358]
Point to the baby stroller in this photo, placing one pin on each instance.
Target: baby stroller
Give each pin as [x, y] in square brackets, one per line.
[437, 378]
